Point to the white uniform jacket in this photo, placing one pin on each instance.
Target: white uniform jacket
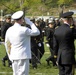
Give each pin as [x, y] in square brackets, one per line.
[17, 41]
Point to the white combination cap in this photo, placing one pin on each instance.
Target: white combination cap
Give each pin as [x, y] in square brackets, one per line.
[50, 21]
[56, 19]
[17, 15]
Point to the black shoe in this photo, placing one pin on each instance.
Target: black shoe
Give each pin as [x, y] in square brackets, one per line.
[9, 65]
[54, 64]
[34, 67]
[48, 63]
[3, 62]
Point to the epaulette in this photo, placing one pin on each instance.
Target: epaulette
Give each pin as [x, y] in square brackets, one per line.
[56, 27]
[55, 56]
[71, 26]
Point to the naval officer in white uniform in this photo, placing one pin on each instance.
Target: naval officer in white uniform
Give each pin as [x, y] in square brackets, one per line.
[17, 43]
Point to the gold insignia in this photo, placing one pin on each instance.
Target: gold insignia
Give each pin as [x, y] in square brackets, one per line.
[55, 56]
[71, 26]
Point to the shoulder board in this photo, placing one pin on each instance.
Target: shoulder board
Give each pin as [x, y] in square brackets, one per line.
[71, 26]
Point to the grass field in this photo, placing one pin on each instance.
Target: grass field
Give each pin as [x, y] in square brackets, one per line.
[42, 69]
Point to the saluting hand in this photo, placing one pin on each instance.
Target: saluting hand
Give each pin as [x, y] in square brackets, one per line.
[27, 20]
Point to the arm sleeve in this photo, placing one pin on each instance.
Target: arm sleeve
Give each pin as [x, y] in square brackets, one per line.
[55, 45]
[7, 45]
[34, 30]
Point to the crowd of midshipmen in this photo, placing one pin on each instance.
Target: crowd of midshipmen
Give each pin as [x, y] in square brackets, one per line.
[46, 28]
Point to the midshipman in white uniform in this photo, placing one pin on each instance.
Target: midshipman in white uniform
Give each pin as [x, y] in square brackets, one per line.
[17, 43]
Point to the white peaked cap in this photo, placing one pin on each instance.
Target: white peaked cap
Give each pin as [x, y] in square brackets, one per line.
[56, 19]
[50, 21]
[17, 15]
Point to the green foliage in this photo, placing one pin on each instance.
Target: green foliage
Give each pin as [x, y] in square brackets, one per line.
[32, 6]
[4, 0]
[25, 4]
[50, 3]
[66, 2]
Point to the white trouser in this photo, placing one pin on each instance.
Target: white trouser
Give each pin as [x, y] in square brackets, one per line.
[20, 67]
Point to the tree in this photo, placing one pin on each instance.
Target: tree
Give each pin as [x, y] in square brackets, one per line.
[66, 2]
[50, 3]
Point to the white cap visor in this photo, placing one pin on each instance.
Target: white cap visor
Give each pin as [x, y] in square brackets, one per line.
[17, 15]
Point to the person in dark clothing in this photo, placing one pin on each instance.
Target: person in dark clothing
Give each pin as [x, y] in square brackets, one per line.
[57, 22]
[4, 28]
[39, 41]
[34, 52]
[63, 45]
[37, 47]
[42, 25]
[49, 38]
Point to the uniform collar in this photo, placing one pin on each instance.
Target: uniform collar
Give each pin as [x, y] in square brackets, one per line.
[67, 23]
[17, 24]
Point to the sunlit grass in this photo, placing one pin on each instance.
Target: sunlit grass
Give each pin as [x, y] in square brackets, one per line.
[42, 69]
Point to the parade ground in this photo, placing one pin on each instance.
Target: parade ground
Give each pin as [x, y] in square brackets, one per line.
[42, 69]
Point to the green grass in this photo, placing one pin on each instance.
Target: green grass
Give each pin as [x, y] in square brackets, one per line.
[42, 69]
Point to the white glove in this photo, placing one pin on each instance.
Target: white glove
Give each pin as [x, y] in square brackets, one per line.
[47, 45]
[28, 21]
[39, 44]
